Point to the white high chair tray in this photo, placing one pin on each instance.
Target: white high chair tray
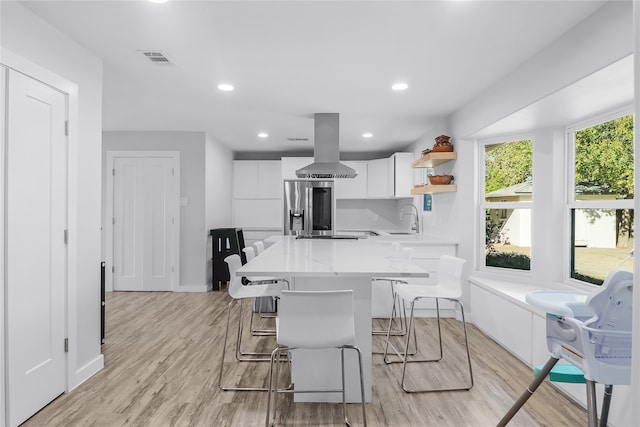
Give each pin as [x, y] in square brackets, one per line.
[560, 303]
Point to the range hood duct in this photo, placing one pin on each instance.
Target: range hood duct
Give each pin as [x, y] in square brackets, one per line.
[326, 152]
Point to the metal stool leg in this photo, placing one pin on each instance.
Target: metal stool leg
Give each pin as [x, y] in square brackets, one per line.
[530, 390]
[270, 389]
[408, 331]
[592, 407]
[606, 402]
[394, 309]
[248, 356]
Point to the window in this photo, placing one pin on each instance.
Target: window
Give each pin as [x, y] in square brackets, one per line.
[600, 202]
[505, 207]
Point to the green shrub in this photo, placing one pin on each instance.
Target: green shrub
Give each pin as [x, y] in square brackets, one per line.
[588, 279]
[512, 260]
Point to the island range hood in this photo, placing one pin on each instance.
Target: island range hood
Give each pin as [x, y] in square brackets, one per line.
[326, 152]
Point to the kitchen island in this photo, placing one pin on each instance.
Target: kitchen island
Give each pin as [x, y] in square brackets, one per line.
[328, 264]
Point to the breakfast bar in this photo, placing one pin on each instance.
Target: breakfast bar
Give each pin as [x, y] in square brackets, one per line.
[332, 264]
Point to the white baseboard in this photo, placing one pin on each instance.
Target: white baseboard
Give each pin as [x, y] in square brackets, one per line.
[86, 372]
[193, 288]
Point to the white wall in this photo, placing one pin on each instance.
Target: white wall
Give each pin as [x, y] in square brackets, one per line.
[370, 214]
[192, 147]
[598, 41]
[29, 37]
[218, 192]
[547, 237]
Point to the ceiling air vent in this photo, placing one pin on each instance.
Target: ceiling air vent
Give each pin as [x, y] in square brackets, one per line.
[157, 57]
[297, 139]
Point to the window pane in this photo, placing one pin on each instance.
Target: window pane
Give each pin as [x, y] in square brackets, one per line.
[601, 239]
[604, 161]
[508, 171]
[508, 238]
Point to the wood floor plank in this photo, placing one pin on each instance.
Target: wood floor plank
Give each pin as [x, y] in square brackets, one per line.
[162, 354]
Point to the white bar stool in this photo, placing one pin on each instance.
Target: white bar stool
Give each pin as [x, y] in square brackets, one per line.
[315, 320]
[449, 287]
[250, 254]
[240, 292]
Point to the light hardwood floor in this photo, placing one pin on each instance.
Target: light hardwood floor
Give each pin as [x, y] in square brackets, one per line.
[162, 354]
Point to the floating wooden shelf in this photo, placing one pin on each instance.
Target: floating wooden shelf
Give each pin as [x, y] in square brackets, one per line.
[428, 189]
[434, 159]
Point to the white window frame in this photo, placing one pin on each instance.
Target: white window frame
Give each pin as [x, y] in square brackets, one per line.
[483, 205]
[570, 200]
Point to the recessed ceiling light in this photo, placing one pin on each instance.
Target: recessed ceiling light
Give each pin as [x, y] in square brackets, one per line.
[158, 1]
[226, 87]
[400, 86]
[367, 135]
[263, 135]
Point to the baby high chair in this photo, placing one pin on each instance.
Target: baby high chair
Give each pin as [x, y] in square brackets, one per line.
[590, 331]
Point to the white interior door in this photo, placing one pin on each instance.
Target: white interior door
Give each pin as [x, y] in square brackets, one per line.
[144, 204]
[36, 252]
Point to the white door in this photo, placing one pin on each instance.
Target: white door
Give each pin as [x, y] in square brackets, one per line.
[36, 253]
[144, 203]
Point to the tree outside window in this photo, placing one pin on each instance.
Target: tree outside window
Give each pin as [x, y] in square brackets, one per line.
[601, 209]
[508, 178]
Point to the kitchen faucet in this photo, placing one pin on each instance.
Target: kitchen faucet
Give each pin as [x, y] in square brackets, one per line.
[416, 225]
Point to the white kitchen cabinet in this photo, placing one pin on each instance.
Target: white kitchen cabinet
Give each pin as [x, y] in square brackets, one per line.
[257, 179]
[390, 177]
[352, 188]
[245, 178]
[400, 174]
[378, 185]
[377, 179]
[270, 179]
[291, 164]
[257, 194]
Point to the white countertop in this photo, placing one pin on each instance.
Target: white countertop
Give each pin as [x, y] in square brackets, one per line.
[386, 236]
[411, 238]
[293, 257]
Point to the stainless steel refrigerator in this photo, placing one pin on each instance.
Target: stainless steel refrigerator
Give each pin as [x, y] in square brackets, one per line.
[309, 208]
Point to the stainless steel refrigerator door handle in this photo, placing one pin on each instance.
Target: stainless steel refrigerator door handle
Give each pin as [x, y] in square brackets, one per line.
[308, 219]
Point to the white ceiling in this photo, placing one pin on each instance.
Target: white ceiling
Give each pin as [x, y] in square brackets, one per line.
[290, 59]
[602, 92]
